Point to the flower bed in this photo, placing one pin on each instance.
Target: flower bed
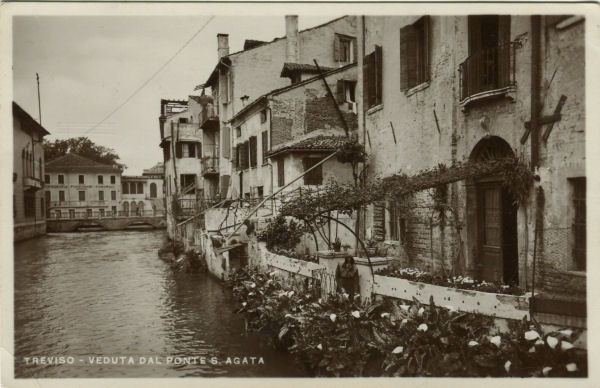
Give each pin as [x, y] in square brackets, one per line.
[459, 282]
[343, 337]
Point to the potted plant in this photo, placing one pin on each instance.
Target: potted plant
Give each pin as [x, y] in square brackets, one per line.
[346, 247]
[337, 244]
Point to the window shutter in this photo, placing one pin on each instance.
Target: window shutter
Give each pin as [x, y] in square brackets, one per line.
[178, 150]
[474, 34]
[191, 149]
[280, 173]
[226, 142]
[371, 79]
[236, 156]
[404, 36]
[379, 74]
[340, 95]
[425, 48]
[265, 145]
[354, 50]
[379, 221]
[366, 70]
[199, 150]
[253, 151]
[336, 48]
[503, 29]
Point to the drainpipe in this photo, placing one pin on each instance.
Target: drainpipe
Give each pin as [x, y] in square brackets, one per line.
[534, 122]
[535, 89]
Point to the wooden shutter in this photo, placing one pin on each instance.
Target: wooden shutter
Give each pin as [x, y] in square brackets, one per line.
[406, 33]
[226, 142]
[503, 29]
[379, 221]
[370, 78]
[379, 74]
[354, 50]
[265, 145]
[236, 157]
[474, 34]
[178, 150]
[336, 48]
[504, 51]
[253, 151]
[280, 173]
[191, 149]
[425, 48]
[366, 70]
[199, 150]
[339, 93]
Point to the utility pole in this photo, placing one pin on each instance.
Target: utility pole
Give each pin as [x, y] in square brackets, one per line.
[37, 77]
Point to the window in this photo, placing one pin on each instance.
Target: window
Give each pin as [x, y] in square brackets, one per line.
[140, 188]
[265, 146]
[48, 196]
[89, 212]
[579, 223]
[183, 120]
[344, 48]
[396, 224]
[101, 195]
[57, 213]
[29, 203]
[253, 151]
[82, 195]
[188, 150]
[71, 213]
[314, 177]
[113, 179]
[263, 116]
[260, 192]
[61, 179]
[238, 131]
[101, 212]
[346, 91]
[46, 178]
[81, 179]
[132, 188]
[414, 54]
[280, 173]
[125, 187]
[373, 78]
[100, 179]
[113, 195]
[187, 180]
[113, 210]
[61, 196]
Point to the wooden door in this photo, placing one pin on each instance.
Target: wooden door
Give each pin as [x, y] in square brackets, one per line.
[490, 231]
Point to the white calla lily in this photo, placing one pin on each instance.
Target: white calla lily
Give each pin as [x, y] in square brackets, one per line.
[496, 340]
[552, 341]
[531, 335]
[546, 370]
[473, 343]
[421, 311]
[398, 349]
[422, 327]
[567, 332]
[356, 314]
[564, 345]
[320, 347]
[507, 365]
[332, 317]
[385, 315]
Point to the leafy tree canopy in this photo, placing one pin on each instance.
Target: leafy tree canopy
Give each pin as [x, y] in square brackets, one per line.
[81, 146]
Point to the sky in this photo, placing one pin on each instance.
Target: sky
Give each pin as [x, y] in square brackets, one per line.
[89, 65]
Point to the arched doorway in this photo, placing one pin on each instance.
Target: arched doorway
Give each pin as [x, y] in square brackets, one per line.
[126, 209]
[133, 207]
[153, 190]
[494, 218]
[140, 208]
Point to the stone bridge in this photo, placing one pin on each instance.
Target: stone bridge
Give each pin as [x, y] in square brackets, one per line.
[54, 225]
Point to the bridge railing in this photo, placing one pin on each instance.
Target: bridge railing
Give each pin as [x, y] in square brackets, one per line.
[67, 215]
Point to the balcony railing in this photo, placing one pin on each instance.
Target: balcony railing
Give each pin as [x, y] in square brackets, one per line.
[210, 119]
[77, 203]
[55, 215]
[32, 174]
[210, 165]
[489, 72]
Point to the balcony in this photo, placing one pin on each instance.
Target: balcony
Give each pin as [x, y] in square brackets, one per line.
[210, 118]
[210, 165]
[55, 204]
[32, 175]
[488, 73]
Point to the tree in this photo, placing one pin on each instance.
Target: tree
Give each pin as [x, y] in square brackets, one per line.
[81, 146]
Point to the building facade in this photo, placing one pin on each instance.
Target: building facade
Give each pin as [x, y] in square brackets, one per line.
[29, 205]
[478, 88]
[143, 195]
[77, 187]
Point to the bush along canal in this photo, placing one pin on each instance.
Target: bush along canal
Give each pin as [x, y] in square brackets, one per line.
[339, 335]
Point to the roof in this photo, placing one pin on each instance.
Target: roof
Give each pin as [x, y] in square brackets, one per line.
[251, 43]
[214, 73]
[290, 69]
[157, 169]
[275, 92]
[314, 144]
[29, 123]
[74, 163]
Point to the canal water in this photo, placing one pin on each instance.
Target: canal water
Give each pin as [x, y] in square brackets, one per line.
[104, 305]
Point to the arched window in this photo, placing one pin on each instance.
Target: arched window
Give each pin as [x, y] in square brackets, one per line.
[134, 209]
[126, 208]
[141, 208]
[152, 190]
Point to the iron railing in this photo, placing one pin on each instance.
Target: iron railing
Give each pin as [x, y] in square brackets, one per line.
[488, 70]
[210, 165]
[86, 215]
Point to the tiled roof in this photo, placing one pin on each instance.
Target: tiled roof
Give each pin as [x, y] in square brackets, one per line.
[317, 143]
[73, 162]
[291, 68]
[251, 43]
[157, 169]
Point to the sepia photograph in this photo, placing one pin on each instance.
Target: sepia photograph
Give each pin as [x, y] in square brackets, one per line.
[397, 194]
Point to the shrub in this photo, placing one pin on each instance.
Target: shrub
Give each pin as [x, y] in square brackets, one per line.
[280, 233]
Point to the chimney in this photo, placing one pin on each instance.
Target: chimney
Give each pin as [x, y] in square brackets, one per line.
[292, 37]
[222, 45]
